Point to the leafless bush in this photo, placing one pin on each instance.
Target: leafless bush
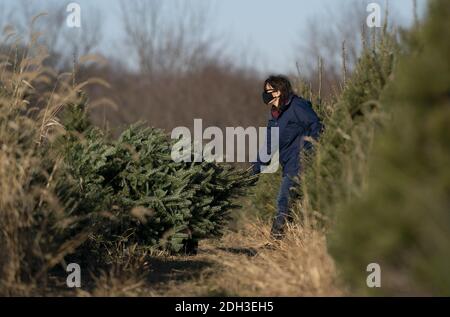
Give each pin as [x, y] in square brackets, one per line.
[167, 37]
[338, 43]
[62, 42]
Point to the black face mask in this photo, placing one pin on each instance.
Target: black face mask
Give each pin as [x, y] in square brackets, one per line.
[267, 97]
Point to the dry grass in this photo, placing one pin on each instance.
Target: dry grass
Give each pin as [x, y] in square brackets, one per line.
[31, 96]
[112, 284]
[244, 263]
[298, 266]
[249, 263]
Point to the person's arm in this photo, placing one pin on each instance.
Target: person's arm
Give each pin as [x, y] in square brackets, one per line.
[311, 123]
[257, 165]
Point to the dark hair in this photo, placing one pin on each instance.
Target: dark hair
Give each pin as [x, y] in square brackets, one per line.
[281, 83]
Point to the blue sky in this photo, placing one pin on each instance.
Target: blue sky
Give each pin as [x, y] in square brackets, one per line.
[246, 27]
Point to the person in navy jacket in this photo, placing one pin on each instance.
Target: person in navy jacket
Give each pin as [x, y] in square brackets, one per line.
[295, 119]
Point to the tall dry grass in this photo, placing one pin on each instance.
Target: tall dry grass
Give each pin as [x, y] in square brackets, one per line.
[249, 263]
[32, 219]
[299, 265]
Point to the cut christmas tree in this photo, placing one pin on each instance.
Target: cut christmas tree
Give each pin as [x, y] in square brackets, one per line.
[152, 200]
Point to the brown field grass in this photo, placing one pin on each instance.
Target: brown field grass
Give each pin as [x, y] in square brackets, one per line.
[243, 263]
[249, 263]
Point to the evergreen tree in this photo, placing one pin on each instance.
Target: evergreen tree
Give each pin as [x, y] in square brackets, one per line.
[402, 219]
[154, 200]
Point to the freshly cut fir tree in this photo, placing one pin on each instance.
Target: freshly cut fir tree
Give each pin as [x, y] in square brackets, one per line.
[153, 200]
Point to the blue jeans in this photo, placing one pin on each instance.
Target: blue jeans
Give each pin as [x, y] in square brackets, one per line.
[283, 200]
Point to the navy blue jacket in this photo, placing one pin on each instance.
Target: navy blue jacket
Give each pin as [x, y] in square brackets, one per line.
[297, 119]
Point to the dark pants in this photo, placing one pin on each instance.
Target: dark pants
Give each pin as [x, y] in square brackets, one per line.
[283, 200]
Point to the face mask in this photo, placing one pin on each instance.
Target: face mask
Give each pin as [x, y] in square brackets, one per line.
[267, 97]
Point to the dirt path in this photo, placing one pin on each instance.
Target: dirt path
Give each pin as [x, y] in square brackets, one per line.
[239, 264]
[247, 263]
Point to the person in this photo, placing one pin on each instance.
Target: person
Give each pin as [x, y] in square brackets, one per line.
[296, 119]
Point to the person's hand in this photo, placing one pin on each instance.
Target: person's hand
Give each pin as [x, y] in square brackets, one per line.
[254, 175]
